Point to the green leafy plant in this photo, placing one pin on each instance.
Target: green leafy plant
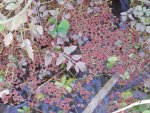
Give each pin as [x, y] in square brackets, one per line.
[126, 94]
[141, 109]
[126, 75]
[39, 96]
[60, 111]
[25, 109]
[146, 111]
[59, 29]
[123, 104]
[65, 83]
[111, 61]
[1, 27]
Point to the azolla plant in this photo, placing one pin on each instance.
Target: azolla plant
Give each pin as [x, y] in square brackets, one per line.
[50, 58]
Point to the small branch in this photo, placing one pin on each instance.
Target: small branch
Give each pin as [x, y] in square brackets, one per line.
[100, 95]
[49, 80]
[42, 3]
[133, 104]
[69, 58]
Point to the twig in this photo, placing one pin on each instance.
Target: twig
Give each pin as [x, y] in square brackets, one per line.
[100, 95]
[69, 58]
[133, 104]
[42, 3]
[49, 80]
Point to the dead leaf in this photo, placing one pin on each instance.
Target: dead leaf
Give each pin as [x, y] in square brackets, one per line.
[76, 57]
[29, 49]
[48, 58]
[69, 65]
[81, 66]
[70, 49]
[60, 59]
[8, 39]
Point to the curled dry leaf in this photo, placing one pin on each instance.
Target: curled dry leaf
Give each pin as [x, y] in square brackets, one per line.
[8, 39]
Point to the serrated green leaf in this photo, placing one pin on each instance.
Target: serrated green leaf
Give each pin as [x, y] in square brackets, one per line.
[126, 94]
[109, 65]
[62, 66]
[123, 104]
[69, 89]
[142, 108]
[135, 108]
[26, 109]
[2, 27]
[60, 111]
[63, 27]
[69, 81]
[112, 59]
[146, 111]
[58, 84]
[63, 80]
[52, 20]
[39, 96]
[126, 75]
[1, 79]
[147, 20]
